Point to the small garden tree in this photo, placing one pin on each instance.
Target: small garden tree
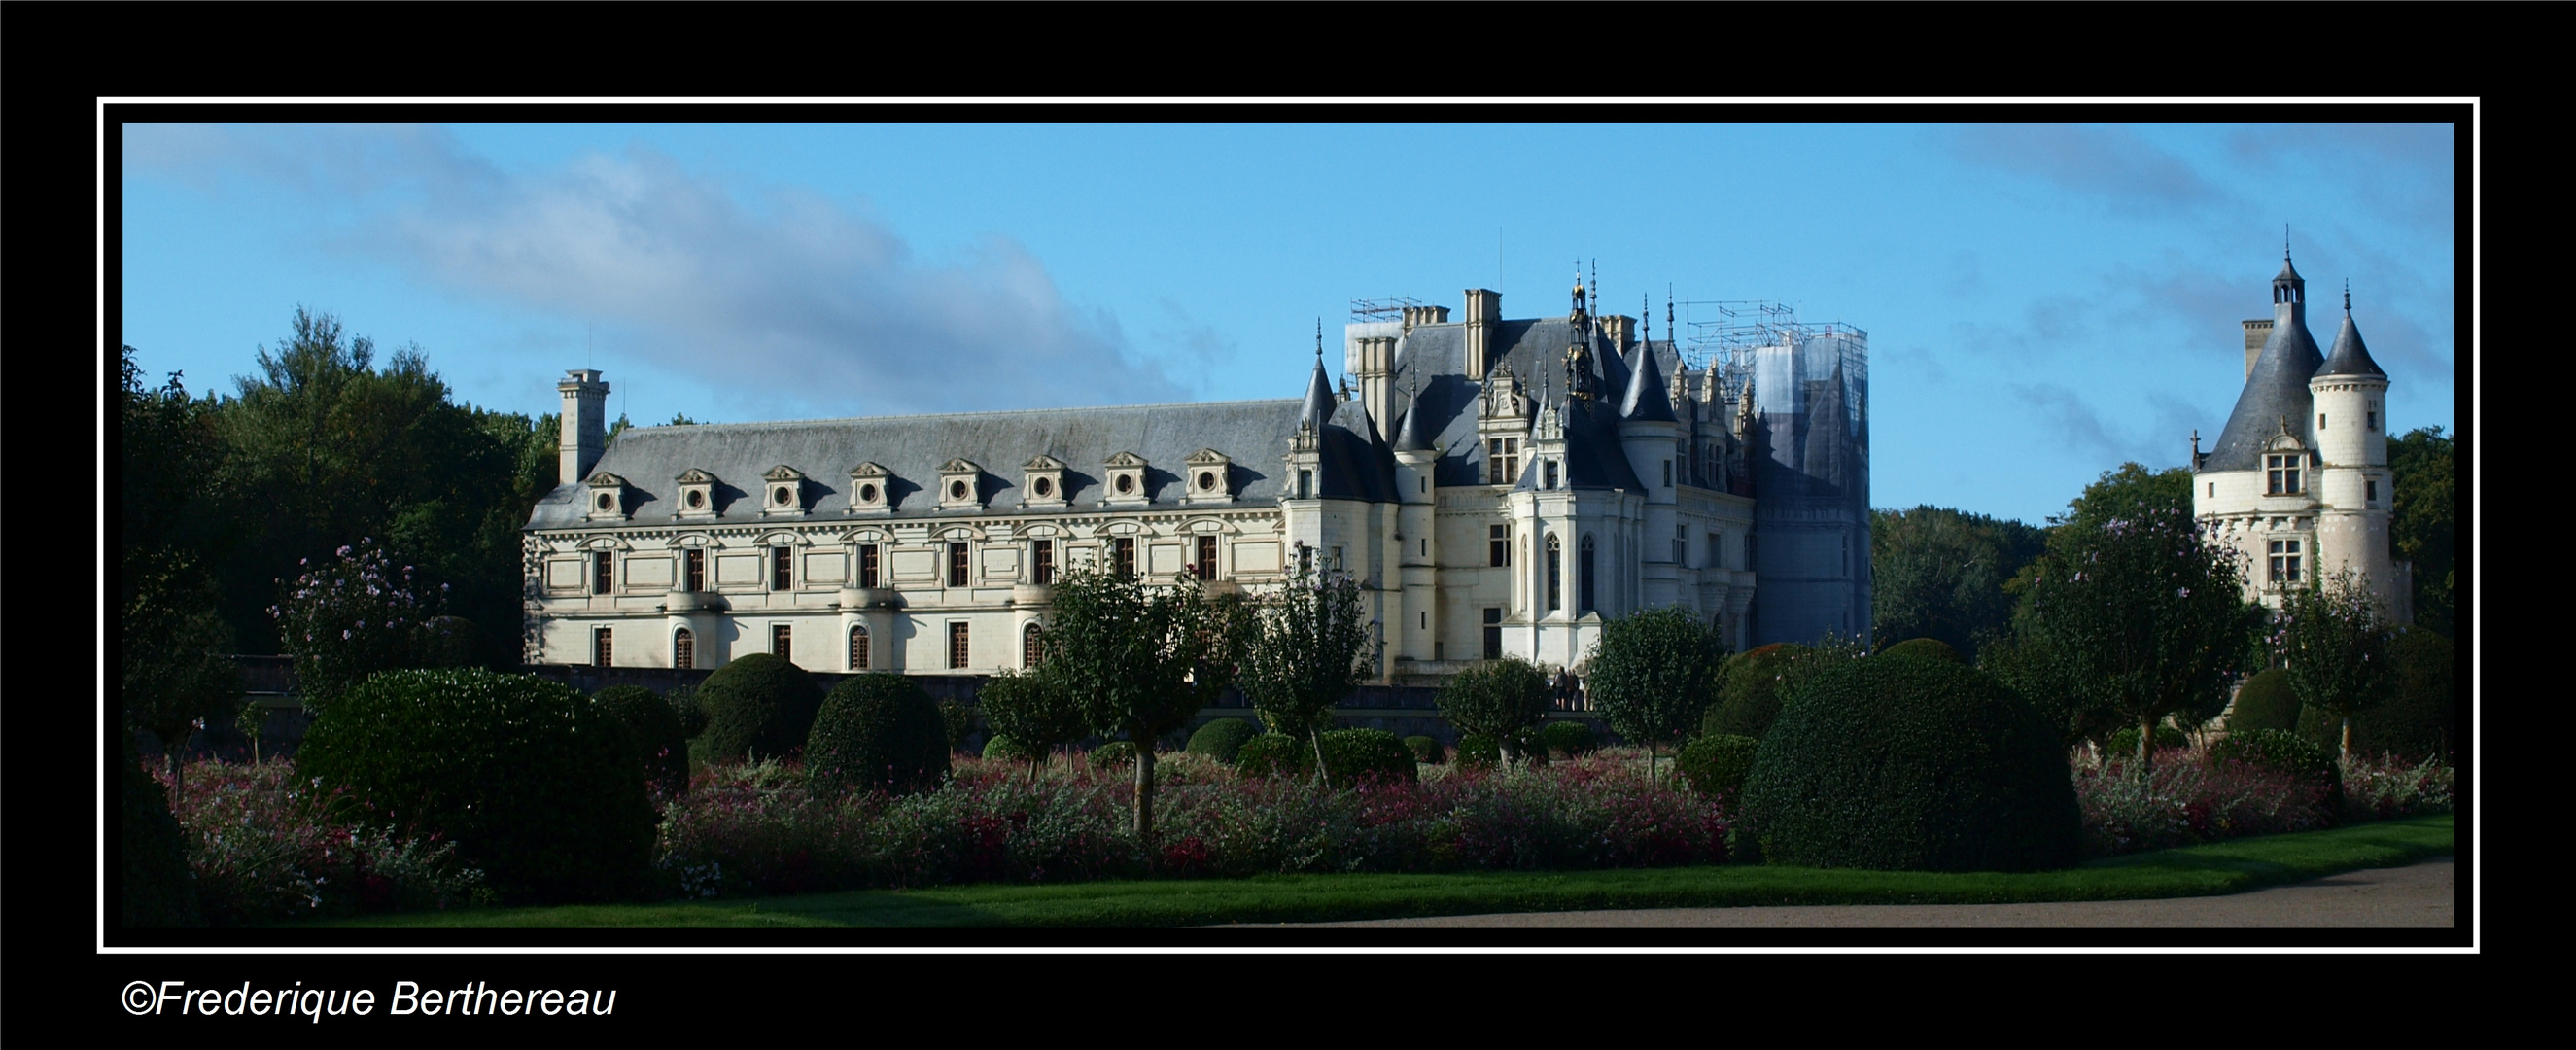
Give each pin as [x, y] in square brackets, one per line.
[2142, 613]
[1309, 648]
[1651, 675]
[2333, 640]
[350, 616]
[1032, 711]
[1497, 699]
[1141, 660]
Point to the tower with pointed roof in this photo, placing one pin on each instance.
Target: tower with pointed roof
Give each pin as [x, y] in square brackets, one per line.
[2298, 481]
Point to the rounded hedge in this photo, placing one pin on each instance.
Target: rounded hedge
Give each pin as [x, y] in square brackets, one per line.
[1351, 756]
[1274, 755]
[758, 706]
[1426, 750]
[1923, 649]
[999, 748]
[685, 706]
[2267, 701]
[2287, 753]
[1569, 737]
[878, 732]
[1528, 746]
[1911, 765]
[1750, 701]
[1222, 739]
[535, 783]
[2124, 744]
[1114, 753]
[661, 742]
[1715, 765]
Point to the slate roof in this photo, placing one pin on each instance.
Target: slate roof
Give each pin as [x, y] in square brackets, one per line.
[2276, 390]
[1534, 349]
[2350, 358]
[1255, 434]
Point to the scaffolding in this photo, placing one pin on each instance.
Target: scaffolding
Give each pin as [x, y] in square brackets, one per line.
[1722, 337]
[1391, 308]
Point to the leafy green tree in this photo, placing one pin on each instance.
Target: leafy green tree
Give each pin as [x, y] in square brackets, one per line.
[2333, 640]
[173, 671]
[1652, 675]
[357, 613]
[1032, 711]
[2141, 615]
[1940, 573]
[2421, 524]
[1497, 700]
[1140, 660]
[1310, 648]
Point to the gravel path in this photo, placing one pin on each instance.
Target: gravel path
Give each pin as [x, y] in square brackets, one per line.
[2417, 895]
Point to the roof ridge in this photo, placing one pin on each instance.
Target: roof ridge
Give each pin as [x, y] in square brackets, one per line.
[831, 420]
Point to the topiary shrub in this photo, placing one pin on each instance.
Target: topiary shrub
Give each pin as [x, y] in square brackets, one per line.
[661, 745]
[1923, 649]
[2287, 753]
[536, 784]
[1476, 751]
[758, 706]
[1751, 699]
[685, 706]
[999, 748]
[878, 732]
[2124, 744]
[1426, 750]
[1357, 756]
[1275, 755]
[1715, 765]
[1911, 765]
[2266, 701]
[1569, 737]
[1222, 739]
[1115, 753]
[2421, 715]
[1528, 746]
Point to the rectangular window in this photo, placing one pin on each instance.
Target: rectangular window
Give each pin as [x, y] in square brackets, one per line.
[867, 565]
[1681, 546]
[600, 647]
[1305, 484]
[1305, 560]
[1123, 555]
[957, 565]
[1426, 620]
[1498, 545]
[1205, 566]
[1336, 563]
[1502, 460]
[684, 649]
[697, 560]
[2285, 561]
[2213, 490]
[2371, 420]
[956, 645]
[1494, 633]
[1042, 562]
[780, 639]
[2321, 421]
[782, 569]
[1668, 473]
[2281, 475]
[603, 573]
[1555, 577]
[2369, 492]
[1716, 550]
[1547, 471]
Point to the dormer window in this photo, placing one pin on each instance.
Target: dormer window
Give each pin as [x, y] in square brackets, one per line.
[785, 495]
[607, 497]
[1042, 482]
[2282, 475]
[868, 482]
[1126, 472]
[960, 485]
[697, 494]
[1210, 474]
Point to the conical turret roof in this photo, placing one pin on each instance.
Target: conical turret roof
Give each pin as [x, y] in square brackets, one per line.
[1410, 436]
[1646, 400]
[2350, 358]
[1320, 402]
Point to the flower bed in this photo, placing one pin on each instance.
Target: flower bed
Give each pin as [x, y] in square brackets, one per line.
[757, 830]
[263, 847]
[2185, 798]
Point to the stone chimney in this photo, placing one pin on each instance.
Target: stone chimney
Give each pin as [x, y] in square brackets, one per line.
[1484, 317]
[2256, 332]
[585, 423]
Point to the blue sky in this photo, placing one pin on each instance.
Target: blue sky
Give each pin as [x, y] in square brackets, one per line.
[2043, 302]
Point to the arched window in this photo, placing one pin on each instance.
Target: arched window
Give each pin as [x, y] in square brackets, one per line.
[1032, 646]
[684, 649]
[1555, 574]
[858, 647]
[1583, 579]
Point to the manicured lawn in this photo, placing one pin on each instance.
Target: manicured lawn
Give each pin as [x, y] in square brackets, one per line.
[2224, 867]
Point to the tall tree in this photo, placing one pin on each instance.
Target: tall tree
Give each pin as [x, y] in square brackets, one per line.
[1652, 675]
[173, 674]
[1497, 699]
[1310, 648]
[2422, 525]
[2333, 640]
[2141, 613]
[1032, 710]
[1140, 660]
[1942, 573]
